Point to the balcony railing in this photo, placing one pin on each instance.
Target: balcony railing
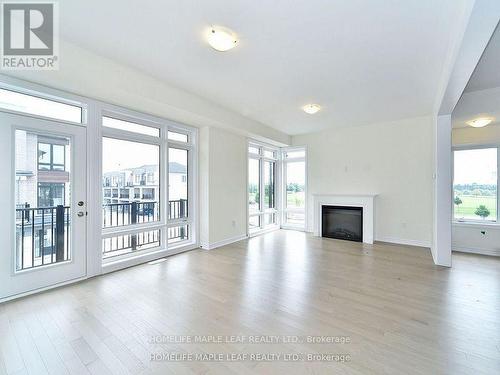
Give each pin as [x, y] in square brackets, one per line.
[121, 214]
[42, 236]
[123, 244]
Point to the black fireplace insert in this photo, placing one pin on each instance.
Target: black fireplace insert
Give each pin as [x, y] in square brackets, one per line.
[342, 222]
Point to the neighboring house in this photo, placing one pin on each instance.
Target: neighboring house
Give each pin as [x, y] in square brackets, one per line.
[42, 175]
[141, 184]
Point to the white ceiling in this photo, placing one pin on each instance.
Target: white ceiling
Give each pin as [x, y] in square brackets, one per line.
[363, 60]
[487, 73]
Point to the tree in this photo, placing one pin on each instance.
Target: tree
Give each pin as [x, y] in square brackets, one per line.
[457, 201]
[482, 211]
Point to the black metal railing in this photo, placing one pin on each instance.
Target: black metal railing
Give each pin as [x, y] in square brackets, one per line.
[120, 214]
[178, 209]
[129, 213]
[42, 236]
[177, 234]
[123, 244]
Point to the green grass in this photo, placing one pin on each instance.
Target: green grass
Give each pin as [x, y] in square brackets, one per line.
[470, 203]
[295, 199]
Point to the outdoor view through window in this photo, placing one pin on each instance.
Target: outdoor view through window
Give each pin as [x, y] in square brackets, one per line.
[475, 184]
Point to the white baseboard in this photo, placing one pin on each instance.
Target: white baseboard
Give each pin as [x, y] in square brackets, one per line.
[476, 250]
[227, 241]
[402, 241]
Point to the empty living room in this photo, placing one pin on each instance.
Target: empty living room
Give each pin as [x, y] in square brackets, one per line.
[245, 187]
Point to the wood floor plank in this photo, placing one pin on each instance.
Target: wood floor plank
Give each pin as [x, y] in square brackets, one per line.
[401, 313]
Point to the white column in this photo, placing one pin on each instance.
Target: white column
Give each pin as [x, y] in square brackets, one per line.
[441, 247]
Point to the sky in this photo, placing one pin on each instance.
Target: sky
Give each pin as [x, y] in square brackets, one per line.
[479, 165]
[119, 154]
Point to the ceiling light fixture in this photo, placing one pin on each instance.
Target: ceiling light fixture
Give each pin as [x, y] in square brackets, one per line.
[221, 38]
[311, 108]
[480, 122]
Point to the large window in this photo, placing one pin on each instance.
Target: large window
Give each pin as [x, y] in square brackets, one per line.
[262, 192]
[143, 164]
[475, 177]
[294, 176]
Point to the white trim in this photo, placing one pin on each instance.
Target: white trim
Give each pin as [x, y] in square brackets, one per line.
[403, 241]
[144, 258]
[476, 250]
[35, 291]
[264, 231]
[225, 242]
[475, 224]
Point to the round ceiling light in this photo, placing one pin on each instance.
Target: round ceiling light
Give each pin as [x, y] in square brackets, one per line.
[221, 38]
[311, 108]
[480, 122]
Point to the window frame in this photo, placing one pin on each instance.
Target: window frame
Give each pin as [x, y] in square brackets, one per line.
[41, 92]
[277, 195]
[467, 221]
[51, 163]
[163, 224]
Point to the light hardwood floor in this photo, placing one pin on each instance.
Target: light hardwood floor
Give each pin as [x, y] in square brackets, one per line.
[402, 314]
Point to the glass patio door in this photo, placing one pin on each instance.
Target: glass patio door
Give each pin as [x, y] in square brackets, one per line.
[43, 192]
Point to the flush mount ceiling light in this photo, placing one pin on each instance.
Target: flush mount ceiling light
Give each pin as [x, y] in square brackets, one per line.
[221, 38]
[480, 122]
[311, 108]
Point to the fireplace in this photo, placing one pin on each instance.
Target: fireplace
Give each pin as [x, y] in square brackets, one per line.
[342, 222]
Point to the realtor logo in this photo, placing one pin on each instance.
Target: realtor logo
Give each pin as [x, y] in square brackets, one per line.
[29, 36]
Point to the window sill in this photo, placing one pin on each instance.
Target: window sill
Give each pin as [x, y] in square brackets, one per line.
[473, 224]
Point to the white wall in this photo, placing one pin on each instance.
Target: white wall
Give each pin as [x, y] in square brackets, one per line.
[391, 159]
[84, 73]
[223, 179]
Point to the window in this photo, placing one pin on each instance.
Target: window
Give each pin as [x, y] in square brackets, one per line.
[114, 123]
[475, 177]
[19, 102]
[180, 219]
[136, 159]
[137, 216]
[262, 193]
[269, 181]
[42, 197]
[50, 194]
[177, 183]
[254, 185]
[176, 136]
[51, 157]
[294, 175]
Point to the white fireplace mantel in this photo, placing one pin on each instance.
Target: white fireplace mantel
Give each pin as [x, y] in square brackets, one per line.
[366, 201]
